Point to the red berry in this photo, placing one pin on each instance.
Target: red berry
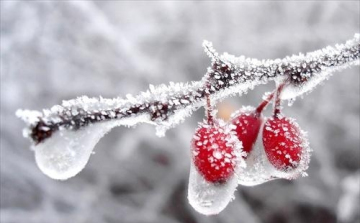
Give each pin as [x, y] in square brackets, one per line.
[247, 128]
[213, 153]
[283, 143]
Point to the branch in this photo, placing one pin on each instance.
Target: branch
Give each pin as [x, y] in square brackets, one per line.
[167, 106]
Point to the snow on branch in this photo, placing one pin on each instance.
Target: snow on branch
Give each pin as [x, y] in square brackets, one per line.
[167, 106]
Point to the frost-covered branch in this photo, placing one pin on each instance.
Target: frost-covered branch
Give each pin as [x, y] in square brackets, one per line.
[166, 106]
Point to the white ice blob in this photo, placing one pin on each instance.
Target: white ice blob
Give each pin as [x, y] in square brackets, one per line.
[208, 198]
[66, 152]
[258, 169]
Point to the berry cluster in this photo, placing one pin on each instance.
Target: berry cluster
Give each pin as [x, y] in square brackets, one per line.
[227, 154]
[282, 139]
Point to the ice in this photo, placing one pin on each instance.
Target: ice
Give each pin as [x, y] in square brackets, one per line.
[28, 116]
[171, 121]
[314, 67]
[259, 170]
[290, 92]
[209, 198]
[167, 106]
[67, 152]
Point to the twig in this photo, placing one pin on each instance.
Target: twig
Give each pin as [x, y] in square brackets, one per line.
[167, 106]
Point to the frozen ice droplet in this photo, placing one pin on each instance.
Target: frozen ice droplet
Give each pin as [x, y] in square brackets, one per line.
[209, 198]
[66, 153]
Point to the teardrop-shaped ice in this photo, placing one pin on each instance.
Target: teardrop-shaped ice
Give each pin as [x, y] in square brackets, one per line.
[66, 152]
[258, 169]
[208, 198]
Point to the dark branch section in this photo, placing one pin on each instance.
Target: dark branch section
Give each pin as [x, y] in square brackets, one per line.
[223, 74]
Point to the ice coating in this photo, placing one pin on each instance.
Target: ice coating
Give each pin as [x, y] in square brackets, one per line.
[247, 125]
[216, 151]
[303, 164]
[167, 106]
[208, 198]
[259, 170]
[318, 66]
[305, 72]
[67, 152]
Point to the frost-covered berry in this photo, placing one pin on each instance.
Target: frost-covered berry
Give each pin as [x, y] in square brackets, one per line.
[247, 124]
[213, 153]
[283, 143]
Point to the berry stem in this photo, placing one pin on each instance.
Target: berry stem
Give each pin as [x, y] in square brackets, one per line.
[263, 104]
[208, 108]
[277, 104]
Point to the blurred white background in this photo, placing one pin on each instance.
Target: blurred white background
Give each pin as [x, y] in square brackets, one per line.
[57, 50]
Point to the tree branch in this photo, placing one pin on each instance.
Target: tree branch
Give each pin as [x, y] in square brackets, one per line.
[167, 106]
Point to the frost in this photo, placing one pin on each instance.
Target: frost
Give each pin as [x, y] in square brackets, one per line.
[259, 170]
[70, 124]
[209, 50]
[178, 117]
[305, 71]
[211, 198]
[319, 66]
[29, 117]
